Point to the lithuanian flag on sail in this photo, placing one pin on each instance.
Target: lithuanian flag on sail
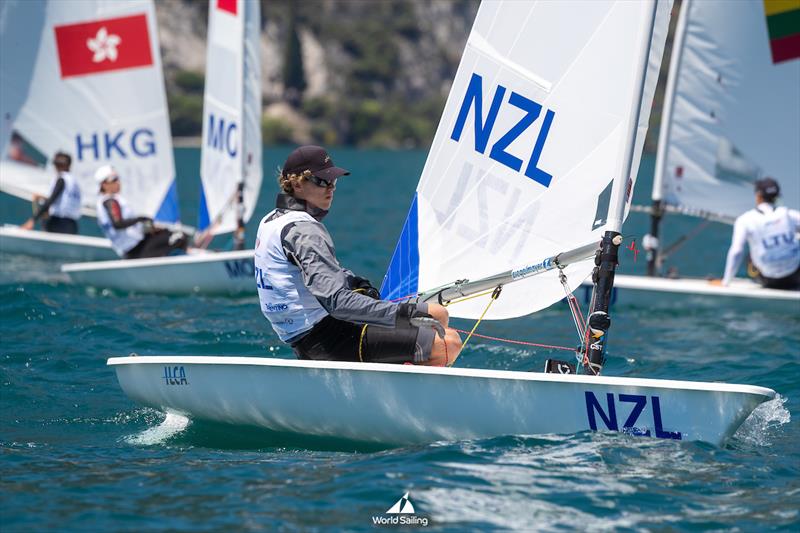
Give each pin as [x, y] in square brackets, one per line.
[783, 26]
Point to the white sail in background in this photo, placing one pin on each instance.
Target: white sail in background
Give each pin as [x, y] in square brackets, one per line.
[537, 149]
[85, 77]
[731, 114]
[231, 149]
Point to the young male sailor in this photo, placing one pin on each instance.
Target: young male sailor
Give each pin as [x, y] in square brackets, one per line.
[772, 234]
[132, 237]
[64, 202]
[325, 311]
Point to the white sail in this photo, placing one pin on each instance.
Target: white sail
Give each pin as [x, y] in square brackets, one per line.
[537, 147]
[731, 114]
[231, 149]
[85, 77]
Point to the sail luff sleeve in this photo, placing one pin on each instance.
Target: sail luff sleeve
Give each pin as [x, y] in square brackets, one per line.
[669, 97]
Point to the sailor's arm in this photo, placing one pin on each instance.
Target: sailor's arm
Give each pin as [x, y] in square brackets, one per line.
[115, 215]
[58, 189]
[735, 252]
[309, 245]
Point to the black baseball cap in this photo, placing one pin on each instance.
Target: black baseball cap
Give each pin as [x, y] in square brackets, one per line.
[768, 188]
[314, 159]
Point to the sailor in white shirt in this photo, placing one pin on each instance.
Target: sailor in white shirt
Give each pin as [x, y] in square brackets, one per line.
[63, 205]
[771, 233]
[131, 236]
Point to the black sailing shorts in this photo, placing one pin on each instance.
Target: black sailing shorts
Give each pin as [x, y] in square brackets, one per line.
[336, 340]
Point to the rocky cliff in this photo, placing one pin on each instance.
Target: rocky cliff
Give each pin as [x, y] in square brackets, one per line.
[360, 72]
[334, 71]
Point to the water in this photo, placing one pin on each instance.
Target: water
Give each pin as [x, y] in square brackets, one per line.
[77, 454]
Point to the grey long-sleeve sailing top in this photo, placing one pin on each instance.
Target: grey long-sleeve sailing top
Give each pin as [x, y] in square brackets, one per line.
[310, 247]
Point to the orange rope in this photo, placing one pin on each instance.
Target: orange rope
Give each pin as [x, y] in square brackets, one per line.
[510, 341]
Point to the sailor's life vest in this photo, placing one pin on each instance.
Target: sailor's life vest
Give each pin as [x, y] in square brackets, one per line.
[285, 300]
[122, 240]
[68, 205]
[773, 241]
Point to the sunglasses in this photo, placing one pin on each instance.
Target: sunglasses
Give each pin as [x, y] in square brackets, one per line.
[319, 182]
[111, 180]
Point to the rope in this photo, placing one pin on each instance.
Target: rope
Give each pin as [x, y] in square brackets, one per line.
[465, 298]
[574, 308]
[361, 342]
[510, 341]
[684, 239]
[495, 294]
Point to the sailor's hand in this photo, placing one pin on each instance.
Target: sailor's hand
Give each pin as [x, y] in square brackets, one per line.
[147, 224]
[715, 282]
[28, 224]
[363, 286]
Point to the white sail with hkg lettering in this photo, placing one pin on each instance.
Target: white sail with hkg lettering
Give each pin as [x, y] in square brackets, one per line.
[85, 77]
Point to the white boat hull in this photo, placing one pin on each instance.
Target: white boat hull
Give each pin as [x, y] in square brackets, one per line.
[643, 289]
[15, 240]
[205, 273]
[405, 404]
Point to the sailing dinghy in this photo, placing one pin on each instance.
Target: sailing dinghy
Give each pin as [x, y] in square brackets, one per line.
[84, 77]
[534, 157]
[731, 115]
[230, 171]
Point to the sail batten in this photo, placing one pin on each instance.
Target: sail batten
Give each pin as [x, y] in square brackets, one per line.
[536, 126]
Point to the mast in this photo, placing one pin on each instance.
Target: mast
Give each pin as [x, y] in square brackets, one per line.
[238, 234]
[607, 258]
[651, 241]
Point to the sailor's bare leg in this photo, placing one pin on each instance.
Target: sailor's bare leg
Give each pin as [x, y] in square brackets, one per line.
[444, 352]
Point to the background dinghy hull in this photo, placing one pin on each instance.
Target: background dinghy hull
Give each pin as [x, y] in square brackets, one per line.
[206, 273]
[14, 240]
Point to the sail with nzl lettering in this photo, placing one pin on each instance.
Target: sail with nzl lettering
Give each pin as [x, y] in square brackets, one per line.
[85, 78]
[526, 161]
[231, 149]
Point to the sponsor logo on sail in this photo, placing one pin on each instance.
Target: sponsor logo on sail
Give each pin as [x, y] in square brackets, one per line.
[531, 269]
[402, 513]
[103, 45]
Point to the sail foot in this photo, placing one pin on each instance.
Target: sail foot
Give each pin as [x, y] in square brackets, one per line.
[606, 261]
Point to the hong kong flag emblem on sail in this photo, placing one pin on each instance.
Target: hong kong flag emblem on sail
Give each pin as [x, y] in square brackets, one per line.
[227, 5]
[103, 45]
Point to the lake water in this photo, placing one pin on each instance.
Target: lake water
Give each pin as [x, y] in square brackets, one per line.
[77, 454]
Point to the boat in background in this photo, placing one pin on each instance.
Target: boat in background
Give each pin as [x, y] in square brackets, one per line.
[731, 116]
[545, 123]
[230, 172]
[86, 78]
